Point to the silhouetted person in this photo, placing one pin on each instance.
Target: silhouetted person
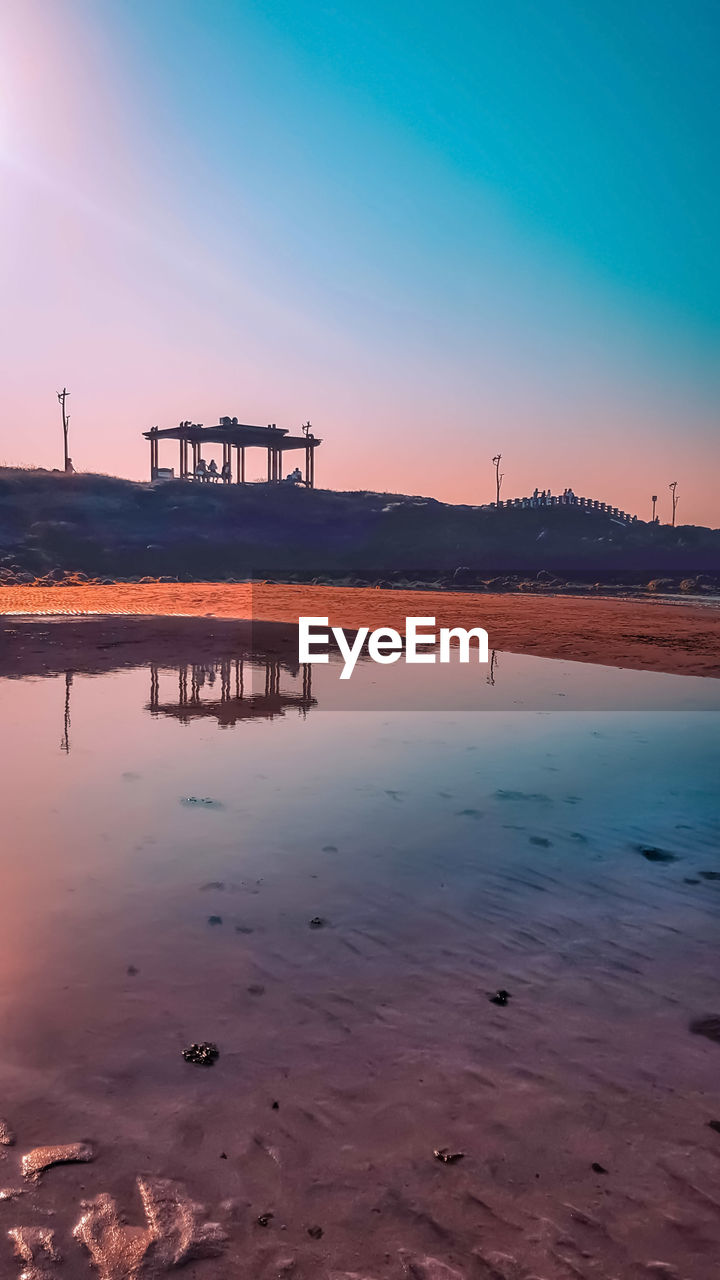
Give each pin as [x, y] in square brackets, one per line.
[201, 470]
[226, 473]
[213, 471]
[69, 468]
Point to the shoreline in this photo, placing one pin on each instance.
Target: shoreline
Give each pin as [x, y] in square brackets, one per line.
[111, 623]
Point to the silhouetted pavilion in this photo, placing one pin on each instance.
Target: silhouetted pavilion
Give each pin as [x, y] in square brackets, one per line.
[231, 434]
[246, 691]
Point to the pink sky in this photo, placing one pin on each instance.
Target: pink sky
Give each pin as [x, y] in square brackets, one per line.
[150, 270]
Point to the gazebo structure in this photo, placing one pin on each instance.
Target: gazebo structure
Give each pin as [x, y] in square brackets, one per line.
[232, 434]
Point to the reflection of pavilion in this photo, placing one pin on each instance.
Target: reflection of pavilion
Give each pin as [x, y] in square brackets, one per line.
[232, 690]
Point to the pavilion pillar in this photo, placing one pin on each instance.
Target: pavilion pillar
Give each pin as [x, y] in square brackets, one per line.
[307, 466]
[312, 467]
[269, 473]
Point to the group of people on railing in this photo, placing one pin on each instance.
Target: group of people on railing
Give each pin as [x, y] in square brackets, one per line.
[566, 498]
[545, 499]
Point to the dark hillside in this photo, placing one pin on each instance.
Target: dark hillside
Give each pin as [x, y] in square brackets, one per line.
[107, 527]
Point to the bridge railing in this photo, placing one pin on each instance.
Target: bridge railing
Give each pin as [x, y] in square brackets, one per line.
[568, 500]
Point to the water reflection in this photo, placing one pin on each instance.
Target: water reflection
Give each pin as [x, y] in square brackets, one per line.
[65, 741]
[449, 855]
[229, 691]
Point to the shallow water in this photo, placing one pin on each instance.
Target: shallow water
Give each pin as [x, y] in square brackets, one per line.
[169, 836]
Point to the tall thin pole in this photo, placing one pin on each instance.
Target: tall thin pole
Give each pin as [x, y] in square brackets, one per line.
[65, 743]
[498, 478]
[62, 397]
[673, 489]
[654, 501]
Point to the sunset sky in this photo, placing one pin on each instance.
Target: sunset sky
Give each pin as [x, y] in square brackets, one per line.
[437, 230]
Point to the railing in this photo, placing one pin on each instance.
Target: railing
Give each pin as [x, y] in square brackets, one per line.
[567, 500]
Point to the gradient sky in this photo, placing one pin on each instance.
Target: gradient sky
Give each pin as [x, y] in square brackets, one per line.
[438, 230]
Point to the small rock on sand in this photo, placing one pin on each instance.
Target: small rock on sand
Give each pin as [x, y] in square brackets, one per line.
[446, 1156]
[34, 1244]
[7, 1137]
[203, 1054]
[41, 1158]
[500, 997]
[708, 1027]
[656, 855]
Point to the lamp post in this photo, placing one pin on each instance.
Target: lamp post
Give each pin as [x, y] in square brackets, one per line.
[498, 478]
[62, 397]
[654, 501]
[673, 489]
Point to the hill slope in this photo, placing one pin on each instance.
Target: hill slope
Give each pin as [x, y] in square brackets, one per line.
[104, 526]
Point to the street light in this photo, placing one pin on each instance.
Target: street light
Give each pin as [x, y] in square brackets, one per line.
[673, 489]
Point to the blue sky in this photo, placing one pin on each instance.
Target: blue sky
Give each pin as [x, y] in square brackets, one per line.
[492, 222]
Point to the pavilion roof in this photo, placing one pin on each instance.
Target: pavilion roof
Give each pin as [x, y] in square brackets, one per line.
[239, 433]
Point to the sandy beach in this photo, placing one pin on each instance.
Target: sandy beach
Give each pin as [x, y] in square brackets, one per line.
[638, 634]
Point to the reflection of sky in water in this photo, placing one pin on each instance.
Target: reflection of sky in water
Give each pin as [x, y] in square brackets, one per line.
[141, 740]
[99, 836]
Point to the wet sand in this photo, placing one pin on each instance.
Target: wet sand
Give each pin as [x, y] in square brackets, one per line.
[447, 858]
[642, 635]
[572, 859]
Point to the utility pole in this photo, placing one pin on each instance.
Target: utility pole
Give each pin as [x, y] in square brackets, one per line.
[62, 397]
[498, 478]
[654, 500]
[673, 489]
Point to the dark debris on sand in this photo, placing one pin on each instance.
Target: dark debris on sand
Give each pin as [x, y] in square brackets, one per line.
[708, 1027]
[201, 1055]
[656, 855]
[500, 997]
[446, 1156]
